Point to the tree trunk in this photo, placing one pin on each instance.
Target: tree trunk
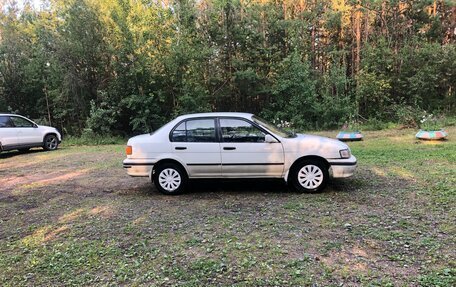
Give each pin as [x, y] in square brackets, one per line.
[47, 104]
[357, 36]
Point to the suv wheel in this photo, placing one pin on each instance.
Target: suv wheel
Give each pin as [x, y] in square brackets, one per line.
[50, 142]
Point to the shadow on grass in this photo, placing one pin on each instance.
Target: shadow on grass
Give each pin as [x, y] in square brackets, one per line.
[364, 181]
[12, 153]
[238, 186]
[216, 187]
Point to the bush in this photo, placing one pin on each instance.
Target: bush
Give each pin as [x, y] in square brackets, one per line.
[431, 122]
[88, 137]
[102, 118]
[407, 115]
[374, 124]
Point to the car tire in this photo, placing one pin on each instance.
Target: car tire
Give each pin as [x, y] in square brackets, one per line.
[309, 176]
[51, 142]
[170, 179]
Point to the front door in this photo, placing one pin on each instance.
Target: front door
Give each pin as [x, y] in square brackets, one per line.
[195, 142]
[245, 152]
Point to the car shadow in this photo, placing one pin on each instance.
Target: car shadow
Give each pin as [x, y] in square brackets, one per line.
[12, 153]
[201, 186]
[208, 187]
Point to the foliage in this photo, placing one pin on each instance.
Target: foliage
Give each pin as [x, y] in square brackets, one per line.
[102, 119]
[88, 137]
[406, 115]
[374, 124]
[372, 93]
[294, 93]
[125, 66]
[445, 277]
[352, 124]
[430, 122]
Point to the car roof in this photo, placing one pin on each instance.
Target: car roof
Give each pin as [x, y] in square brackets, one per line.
[5, 114]
[216, 114]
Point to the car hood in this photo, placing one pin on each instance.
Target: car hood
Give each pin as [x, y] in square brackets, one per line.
[320, 140]
[311, 144]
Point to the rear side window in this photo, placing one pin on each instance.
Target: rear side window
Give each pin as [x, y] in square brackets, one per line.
[197, 130]
[21, 123]
[180, 133]
[5, 122]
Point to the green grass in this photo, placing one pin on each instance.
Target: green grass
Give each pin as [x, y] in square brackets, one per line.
[74, 218]
[93, 140]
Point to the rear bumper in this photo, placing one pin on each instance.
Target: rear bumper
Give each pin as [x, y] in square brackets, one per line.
[341, 168]
[138, 167]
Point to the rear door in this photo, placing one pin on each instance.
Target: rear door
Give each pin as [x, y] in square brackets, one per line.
[195, 142]
[27, 132]
[8, 134]
[245, 152]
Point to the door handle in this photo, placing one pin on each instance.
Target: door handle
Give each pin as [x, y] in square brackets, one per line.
[180, 148]
[229, 148]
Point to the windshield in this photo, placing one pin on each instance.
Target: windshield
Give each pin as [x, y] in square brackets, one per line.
[276, 130]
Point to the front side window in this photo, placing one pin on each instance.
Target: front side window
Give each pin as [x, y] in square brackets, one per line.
[235, 130]
[197, 130]
[5, 122]
[21, 122]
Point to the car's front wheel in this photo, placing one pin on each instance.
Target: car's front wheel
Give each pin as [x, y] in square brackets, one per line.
[169, 178]
[51, 142]
[309, 176]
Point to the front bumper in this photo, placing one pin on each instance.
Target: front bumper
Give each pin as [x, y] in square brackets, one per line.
[341, 168]
[138, 167]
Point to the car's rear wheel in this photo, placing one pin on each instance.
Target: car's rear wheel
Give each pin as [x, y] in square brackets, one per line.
[309, 176]
[50, 142]
[170, 178]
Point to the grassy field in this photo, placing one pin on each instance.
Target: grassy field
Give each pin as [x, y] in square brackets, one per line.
[73, 217]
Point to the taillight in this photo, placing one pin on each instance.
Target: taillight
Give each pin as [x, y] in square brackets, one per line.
[129, 150]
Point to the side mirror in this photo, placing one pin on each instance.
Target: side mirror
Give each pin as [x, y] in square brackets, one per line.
[35, 126]
[269, 139]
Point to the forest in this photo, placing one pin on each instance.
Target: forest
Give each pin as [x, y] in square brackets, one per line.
[122, 67]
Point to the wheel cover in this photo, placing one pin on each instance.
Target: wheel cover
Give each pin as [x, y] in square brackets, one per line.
[310, 176]
[169, 179]
[51, 142]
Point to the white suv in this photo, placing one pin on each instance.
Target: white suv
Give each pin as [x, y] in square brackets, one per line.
[235, 145]
[18, 132]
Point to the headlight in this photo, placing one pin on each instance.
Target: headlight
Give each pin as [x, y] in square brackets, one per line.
[344, 153]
